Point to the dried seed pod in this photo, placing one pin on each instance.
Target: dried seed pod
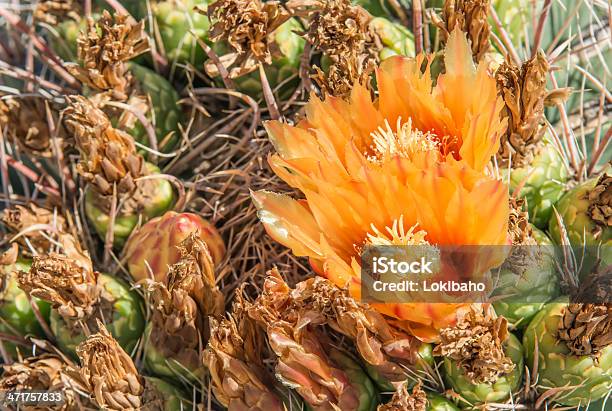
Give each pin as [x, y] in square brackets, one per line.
[109, 373]
[471, 17]
[586, 329]
[476, 343]
[70, 285]
[524, 92]
[518, 224]
[20, 220]
[344, 35]
[239, 380]
[182, 307]
[105, 49]
[324, 377]
[600, 204]
[46, 372]
[247, 26]
[24, 121]
[53, 12]
[404, 401]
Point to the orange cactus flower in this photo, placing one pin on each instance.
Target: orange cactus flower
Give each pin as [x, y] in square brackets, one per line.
[423, 181]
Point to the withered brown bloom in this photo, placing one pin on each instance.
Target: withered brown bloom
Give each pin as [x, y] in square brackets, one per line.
[29, 221]
[518, 225]
[109, 373]
[404, 401]
[233, 358]
[46, 372]
[524, 92]
[24, 122]
[70, 285]
[182, 307]
[476, 344]
[104, 49]
[600, 204]
[342, 32]
[471, 18]
[53, 12]
[247, 26]
[586, 329]
[390, 351]
[108, 155]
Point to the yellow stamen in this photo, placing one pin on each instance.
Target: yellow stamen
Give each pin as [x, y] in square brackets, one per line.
[404, 141]
[397, 235]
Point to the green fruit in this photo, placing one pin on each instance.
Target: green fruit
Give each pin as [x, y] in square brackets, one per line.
[125, 321]
[573, 209]
[16, 314]
[527, 288]
[171, 398]
[396, 39]
[423, 364]
[164, 100]
[544, 182]
[437, 402]
[558, 367]
[124, 224]
[486, 392]
[170, 368]
[368, 396]
[176, 20]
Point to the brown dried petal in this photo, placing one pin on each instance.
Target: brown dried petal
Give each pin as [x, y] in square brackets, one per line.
[301, 348]
[53, 12]
[518, 223]
[104, 49]
[239, 381]
[386, 348]
[24, 122]
[524, 93]
[600, 204]
[343, 33]
[70, 285]
[586, 328]
[108, 155]
[476, 344]
[471, 17]
[109, 373]
[21, 219]
[45, 372]
[247, 26]
[404, 401]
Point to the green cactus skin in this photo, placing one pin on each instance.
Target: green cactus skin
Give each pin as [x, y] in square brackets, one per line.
[16, 313]
[487, 393]
[425, 362]
[164, 100]
[176, 21]
[65, 43]
[436, 402]
[396, 39]
[124, 224]
[126, 323]
[572, 208]
[515, 14]
[168, 368]
[368, 400]
[544, 183]
[535, 287]
[557, 367]
[174, 399]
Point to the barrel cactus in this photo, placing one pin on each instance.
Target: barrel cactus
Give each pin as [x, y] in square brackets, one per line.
[568, 343]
